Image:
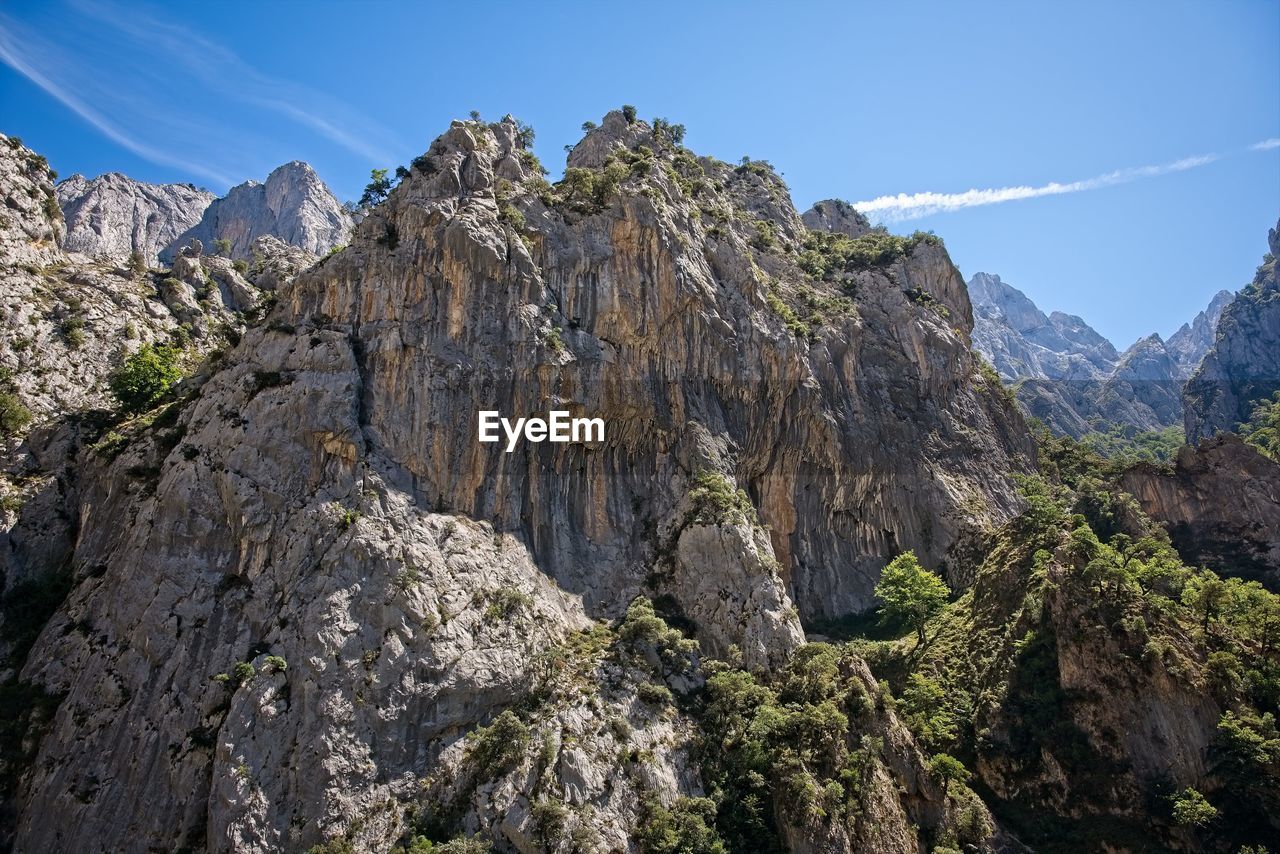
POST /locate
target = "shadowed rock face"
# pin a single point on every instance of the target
(293, 205)
(1244, 365)
(113, 216)
(1221, 505)
(329, 504)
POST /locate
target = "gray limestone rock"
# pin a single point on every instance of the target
(113, 216)
(293, 205)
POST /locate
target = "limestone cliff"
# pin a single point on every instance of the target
(113, 216)
(293, 204)
(297, 589)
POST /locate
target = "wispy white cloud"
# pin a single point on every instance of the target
(24, 55)
(177, 98)
(903, 206)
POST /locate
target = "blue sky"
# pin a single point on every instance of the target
(850, 100)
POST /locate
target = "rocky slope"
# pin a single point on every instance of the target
(293, 205)
(1244, 365)
(295, 591)
(112, 216)
(71, 319)
(69, 323)
(1073, 379)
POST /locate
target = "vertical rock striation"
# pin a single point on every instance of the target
(295, 594)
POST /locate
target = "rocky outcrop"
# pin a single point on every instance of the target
(838, 216)
(31, 224)
(293, 205)
(1220, 503)
(112, 216)
(275, 263)
(295, 593)
(1243, 367)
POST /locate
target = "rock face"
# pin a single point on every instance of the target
(837, 216)
(113, 216)
(293, 205)
(1220, 504)
(1244, 365)
(1192, 342)
(1072, 378)
(31, 226)
(294, 594)
(1021, 341)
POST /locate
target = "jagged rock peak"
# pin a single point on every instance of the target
(293, 204)
(1243, 367)
(1193, 340)
(113, 216)
(836, 215)
(613, 133)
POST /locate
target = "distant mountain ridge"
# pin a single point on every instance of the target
(1070, 376)
(112, 216)
(293, 205)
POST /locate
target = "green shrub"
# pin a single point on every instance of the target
(629, 113)
(498, 746)
(716, 501)
(1190, 808)
(146, 377)
(828, 255)
(947, 770)
(14, 417)
(1262, 430)
(686, 827)
(222, 246)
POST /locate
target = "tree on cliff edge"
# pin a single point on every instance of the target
(909, 593)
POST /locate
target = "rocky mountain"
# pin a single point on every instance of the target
(1072, 378)
(298, 605)
(338, 515)
(1021, 341)
(293, 205)
(1189, 345)
(113, 216)
(69, 322)
(1243, 368)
